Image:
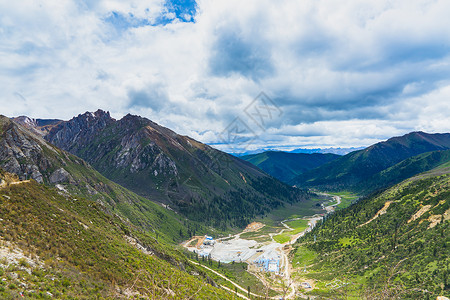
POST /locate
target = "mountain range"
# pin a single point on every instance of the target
(351, 171)
(95, 207)
(286, 166)
(331, 150)
(194, 179)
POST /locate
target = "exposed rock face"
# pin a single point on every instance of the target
(60, 176)
(79, 131)
(127, 143)
(22, 153)
(27, 154)
(38, 126)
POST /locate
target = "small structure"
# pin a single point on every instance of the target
(306, 285)
(209, 240)
(268, 265)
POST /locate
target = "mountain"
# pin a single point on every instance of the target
(39, 126)
(403, 170)
(338, 151)
(393, 245)
(286, 166)
(352, 169)
(192, 178)
(54, 245)
(28, 155)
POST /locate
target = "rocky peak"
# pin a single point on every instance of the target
(26, 121)
(97, 119)
(79, 130)
(38, 126)
(97, 115)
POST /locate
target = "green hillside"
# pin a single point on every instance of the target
(403, 170)
(23, 152)
(394, 245)
(57, 246)
(351, 170)
(286, 166)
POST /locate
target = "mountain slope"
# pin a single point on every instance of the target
(28, 155)
(194, 179)
(395, 245)
(349, 170)
(286, 166)
(403, 170)
(53, 245)
(39, 126)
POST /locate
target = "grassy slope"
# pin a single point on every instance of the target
(84, 252)
(286, 166)
(389, 255)
(297, 226)
(138, 210)
(87, 182)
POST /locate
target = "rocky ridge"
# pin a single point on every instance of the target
(155, 162)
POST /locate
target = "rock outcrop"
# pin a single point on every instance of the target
(60, 176)
(22, 153)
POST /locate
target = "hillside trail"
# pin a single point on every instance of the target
(232, 282)
(4, 184)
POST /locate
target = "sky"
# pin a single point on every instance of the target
(239, 75)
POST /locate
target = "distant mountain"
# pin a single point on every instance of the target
(338, 151)
(286, 166)
(194, 179)
(350, 170)
(393, 244)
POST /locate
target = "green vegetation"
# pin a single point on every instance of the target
(302, 256)
(403, 170)
(201, 183)
(74, 250)
(403, 253)
(300, 209)
(347, 198)
(236, 272)
(286, 166)
(81, 180)
(266, 230)
(297, 226)
(362, 171)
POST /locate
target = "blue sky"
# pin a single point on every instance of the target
(340, 74)
(169, 12)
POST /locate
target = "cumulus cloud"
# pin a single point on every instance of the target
(342, 74)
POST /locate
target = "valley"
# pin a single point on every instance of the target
(265, 250)
(161, 216)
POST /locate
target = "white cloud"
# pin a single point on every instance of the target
(342, 74)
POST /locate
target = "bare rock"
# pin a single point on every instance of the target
(60, 176)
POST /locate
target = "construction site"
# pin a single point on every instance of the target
(262, 257)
